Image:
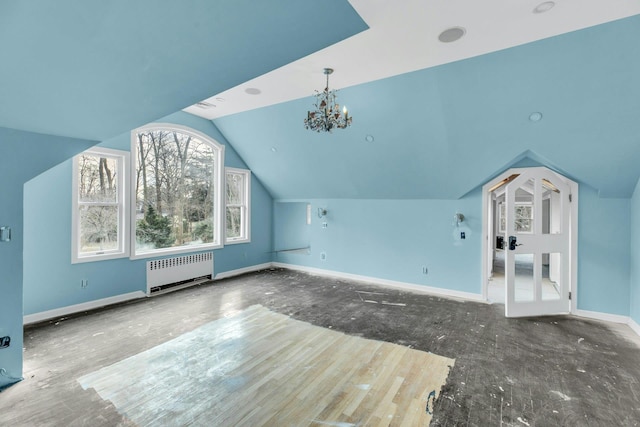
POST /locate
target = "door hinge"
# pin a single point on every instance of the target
(570, 198)
(569, 296)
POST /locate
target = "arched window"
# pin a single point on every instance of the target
(176, 192)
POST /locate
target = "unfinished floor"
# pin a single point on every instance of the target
(559, 371)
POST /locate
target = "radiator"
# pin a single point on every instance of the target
(170, 274)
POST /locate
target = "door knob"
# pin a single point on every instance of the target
(513, 242)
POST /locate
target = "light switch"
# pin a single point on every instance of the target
(5, 234)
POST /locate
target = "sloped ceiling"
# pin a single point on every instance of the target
(94, 69)
(442, 123)
(441, 131)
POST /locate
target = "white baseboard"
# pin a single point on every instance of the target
(90, 305)
(239, 271)
(441, 292)
(634, 326)
(430, 290)
(76, 308)
(614, 318)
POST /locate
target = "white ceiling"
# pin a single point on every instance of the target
(403, 37)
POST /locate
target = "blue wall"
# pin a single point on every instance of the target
(24, 155)
(290, 229)
(395, 239)
(635, 255)
(51, 281)
(604, 226)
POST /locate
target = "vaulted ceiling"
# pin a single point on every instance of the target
(93, 69)
(431, 119)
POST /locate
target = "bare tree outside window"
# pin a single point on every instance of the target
(234, 205)
(97, 203)
(174, 187)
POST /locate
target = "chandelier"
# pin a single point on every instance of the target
(327, 114)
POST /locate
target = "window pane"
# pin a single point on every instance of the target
(98, 228)
(97, 179)
(203, 232)
(524, 285)
(551, 213)
(551, 276)
(98, 201)
(523, 218)
(523, 209)
(237, 194)
(235, 188)
(234, 224)
(174, 190)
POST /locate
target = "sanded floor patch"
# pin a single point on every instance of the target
(264, 368)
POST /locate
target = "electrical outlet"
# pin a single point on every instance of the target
(323, 256)
(425, 270)
(463, 235)
(5, 342)
(84, 283)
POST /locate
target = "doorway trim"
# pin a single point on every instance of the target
(487, 244)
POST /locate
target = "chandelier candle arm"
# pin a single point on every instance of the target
(327, 111)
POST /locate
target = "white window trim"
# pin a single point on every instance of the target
(246, 223)
(219, 209)
(123, 158)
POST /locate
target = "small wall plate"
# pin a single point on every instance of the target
(5, 234)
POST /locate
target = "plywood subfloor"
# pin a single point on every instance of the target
(263, 368)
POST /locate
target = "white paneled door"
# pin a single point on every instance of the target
(537, 244)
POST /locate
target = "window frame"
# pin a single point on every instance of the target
(122, 168)
(218, 178)
(245, 211)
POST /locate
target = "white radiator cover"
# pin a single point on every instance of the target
(179, 271)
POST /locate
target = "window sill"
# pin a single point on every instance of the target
(175, 251)
(235, 242)
(99, 257)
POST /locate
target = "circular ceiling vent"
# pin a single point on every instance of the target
(544, 7)
(452, 34)
(253, 91)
